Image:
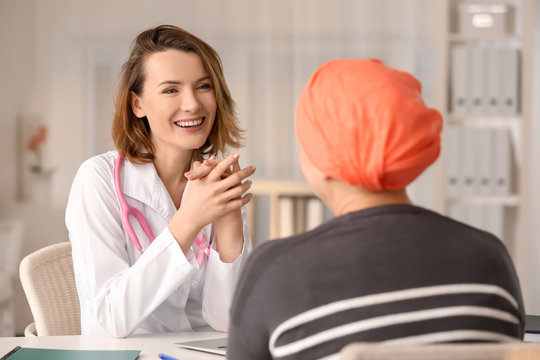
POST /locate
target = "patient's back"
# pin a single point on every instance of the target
(395, 273)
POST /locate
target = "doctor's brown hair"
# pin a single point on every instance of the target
(130, 132)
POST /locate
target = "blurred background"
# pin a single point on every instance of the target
(60, 62)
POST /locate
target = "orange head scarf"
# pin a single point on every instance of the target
(365, 123)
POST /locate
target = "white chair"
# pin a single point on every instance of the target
(49, 284)
(11, 238)
(462, 351)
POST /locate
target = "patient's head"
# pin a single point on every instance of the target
(362, 122)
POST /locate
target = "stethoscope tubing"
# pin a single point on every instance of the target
(128, 210)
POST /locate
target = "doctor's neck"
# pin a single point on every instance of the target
(172, 165)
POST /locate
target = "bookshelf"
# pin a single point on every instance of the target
(508, 206)
(291, 206)
(484, 91)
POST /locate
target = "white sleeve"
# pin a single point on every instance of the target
(220, 283)
(114, 294)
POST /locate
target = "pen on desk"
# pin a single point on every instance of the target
(166, 357)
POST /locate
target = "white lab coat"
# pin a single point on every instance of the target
(122, 291)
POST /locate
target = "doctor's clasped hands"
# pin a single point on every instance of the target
(215, 194)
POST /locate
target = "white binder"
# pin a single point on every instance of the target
(484, 153)
(458, 84)
(510, 75)
(502, 161)
(468, 162)
(475, 77)
(453, 151)
(493, 81)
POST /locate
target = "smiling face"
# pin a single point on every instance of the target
(177, 99)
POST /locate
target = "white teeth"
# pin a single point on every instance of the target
(189, 123)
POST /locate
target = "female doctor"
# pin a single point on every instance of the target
(152, 251)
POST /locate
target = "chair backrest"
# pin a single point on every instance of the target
(463, 351)
(49, 284)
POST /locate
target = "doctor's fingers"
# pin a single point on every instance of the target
(236, 166)
(199, 171)
(233, 199)
(237, 203)
(236, 178)
(213, 163)
(231, 169)
(202, 170)
(224, 167)
(237, 191)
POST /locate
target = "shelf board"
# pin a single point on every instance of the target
(485, 120)
(504, 200)
(506, 39)
(280, 187)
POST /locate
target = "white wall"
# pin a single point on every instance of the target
(265, 46)
(60, 62)
(61, 59)
(17, 73)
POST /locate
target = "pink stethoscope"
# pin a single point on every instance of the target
(128, 210)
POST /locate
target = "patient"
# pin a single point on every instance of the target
(383, 269)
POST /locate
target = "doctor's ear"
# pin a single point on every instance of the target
(135, 102)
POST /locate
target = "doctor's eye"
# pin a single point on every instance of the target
(204, 86)
(170, 91)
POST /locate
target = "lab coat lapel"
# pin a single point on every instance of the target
(142, 183)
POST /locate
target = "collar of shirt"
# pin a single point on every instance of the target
(142, 183)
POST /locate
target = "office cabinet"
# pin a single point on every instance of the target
(484, 92)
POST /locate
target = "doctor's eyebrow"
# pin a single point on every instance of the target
(175, 82)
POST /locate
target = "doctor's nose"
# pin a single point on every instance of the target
(190, 102)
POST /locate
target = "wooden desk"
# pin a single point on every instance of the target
(150, 344)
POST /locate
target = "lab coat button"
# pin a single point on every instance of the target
(194, 284)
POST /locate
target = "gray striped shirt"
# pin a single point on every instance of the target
(397, 273)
